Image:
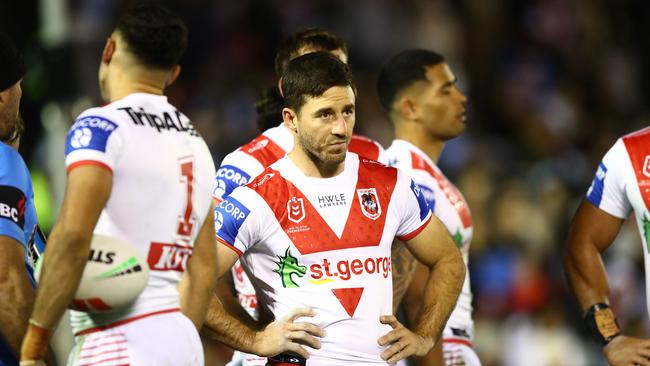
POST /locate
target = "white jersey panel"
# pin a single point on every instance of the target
(608, 190)
(160, 196)
(448, 204)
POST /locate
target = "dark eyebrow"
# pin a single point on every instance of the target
(318, 112)
(449, 83)
(349, 106)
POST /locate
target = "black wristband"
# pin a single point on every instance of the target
(602, 324)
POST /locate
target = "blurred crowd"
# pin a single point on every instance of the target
(551, 85)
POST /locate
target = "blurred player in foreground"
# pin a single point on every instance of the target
(21, 241)
(331, 263)
(418, 90)
(137, 171)
(621, 186)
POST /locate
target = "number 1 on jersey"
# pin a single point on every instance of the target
(186, 221)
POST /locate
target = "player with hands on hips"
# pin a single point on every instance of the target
(621, 186)
(331, 259)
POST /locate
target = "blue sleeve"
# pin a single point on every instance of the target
(15, 189)
(424, 206)
(229, 217)
(228, 178)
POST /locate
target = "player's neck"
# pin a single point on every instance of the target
(124, 85)
(416, 134)
(311, 166)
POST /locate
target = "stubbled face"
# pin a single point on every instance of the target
(324, 125)
(441, 104)
(9, 109)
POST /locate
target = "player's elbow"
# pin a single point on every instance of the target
(14, 285)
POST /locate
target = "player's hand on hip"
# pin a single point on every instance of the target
(403, 342)
(624, 351)
(287, 335)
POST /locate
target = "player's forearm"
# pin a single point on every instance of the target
(231, 304)
(196, 293)
(403, 267)
(14, 311)
(586, 273)
(441, 293)
(228, 330)
(63, 266)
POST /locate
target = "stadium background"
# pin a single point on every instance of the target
(551, 85)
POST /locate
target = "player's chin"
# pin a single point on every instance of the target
(335, 157)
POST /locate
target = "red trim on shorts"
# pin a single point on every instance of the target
(104, 352)
(104, 360)
(458, 341)
(415, 232)
(88, 162)
(99, 345)
(232, 247)
(125, 321)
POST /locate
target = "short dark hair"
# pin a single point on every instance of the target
(311, 75)
(320, 40)
(155, 35)
(401, 71)
(269, 108)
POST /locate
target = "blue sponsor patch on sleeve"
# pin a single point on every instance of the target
(595, 192)
(90, 132)
(228, 218)
(429, 196)
(424, 206)
(228, 178)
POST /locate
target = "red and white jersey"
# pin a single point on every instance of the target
(325, 244)
(160, 196)
(247, 162)
(449, 205)
(622, 185)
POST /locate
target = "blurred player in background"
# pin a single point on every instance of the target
(621, 186)
(137, 171)
(418, 90)
(332, 259)
(21, 241)
(242, 165)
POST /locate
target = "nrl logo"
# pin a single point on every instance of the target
(296, 209)
(646, 166)
(369, 201)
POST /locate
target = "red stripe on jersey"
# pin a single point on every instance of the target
(638, 148)
(88, 162)
(453, 194)
(458, 341)
(309, 232)
(264, 150)
(415, 232)
(364, 147)
(125, 321)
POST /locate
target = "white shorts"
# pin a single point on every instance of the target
(157, 340)
(459, 353)
(245, 359)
